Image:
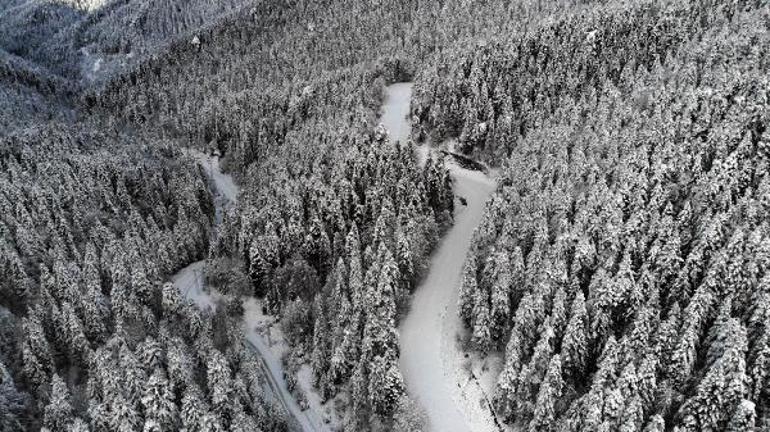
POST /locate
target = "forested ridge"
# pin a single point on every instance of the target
(620, 269)
(622, 264)
(96, 338)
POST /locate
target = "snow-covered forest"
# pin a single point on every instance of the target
(207, 222)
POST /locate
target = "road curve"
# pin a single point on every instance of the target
(428, 333)
(190, 282)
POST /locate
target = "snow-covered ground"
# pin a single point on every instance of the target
(267, 338)
(446, 383)
(433, 365)
(395, 111)
(190, 282)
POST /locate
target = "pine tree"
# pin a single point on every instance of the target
(575, 342)
(318, 246)
(344, 358)
(632, 417)
(77, 342)
(684, 355)
(99, 416)
(648, 379)
(507, 381)
(626, 390)
(78, 425)
(210, 422)
(140, 284)
(355, 278)
(241, 421)
(123, 415)
(655, 424)
(760, 367)
(180, 365)
(320, 357)
(134, 376)
(58, 413)
(171, 299)
(12, 402)
(219, 382)
(151, 354)
(94, 305)
(380, 344)
(468, 288)
(600, 384)
(405, 258)
(719, 393)
(386, 385)
(123, 305)
(721, 333)
(548, 395)
(744, 417)
(158, 402)
(192, 410)
(533, 373)
(481, 337)
(360, 392)
(500, 296)
(36, 352)
(665, 337)
(559, 312)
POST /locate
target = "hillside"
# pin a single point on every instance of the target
(605, 270)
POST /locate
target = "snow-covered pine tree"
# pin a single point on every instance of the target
(160, 412)
(219, 384)
(575, 342)
(500, 296)
(544, 415)
(720, 392)
(468, 288)
(481, 336)
(12, 402)
(58, 414)
(321, 353)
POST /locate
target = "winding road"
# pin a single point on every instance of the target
(431, 360)
(190, 283)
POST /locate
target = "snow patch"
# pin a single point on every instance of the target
(395, 111)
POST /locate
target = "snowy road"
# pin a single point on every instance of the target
(190, 282)
(431, 360)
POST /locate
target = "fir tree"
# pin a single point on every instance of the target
(468, 288)
(482, 334)
(575, 342)
(550, 391)
(500, 296)
(158, 403)
(719, 393)
(12, 402)
(58, 413)
(744, 417)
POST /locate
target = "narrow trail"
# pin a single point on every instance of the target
(431, 360)
(190, 282)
